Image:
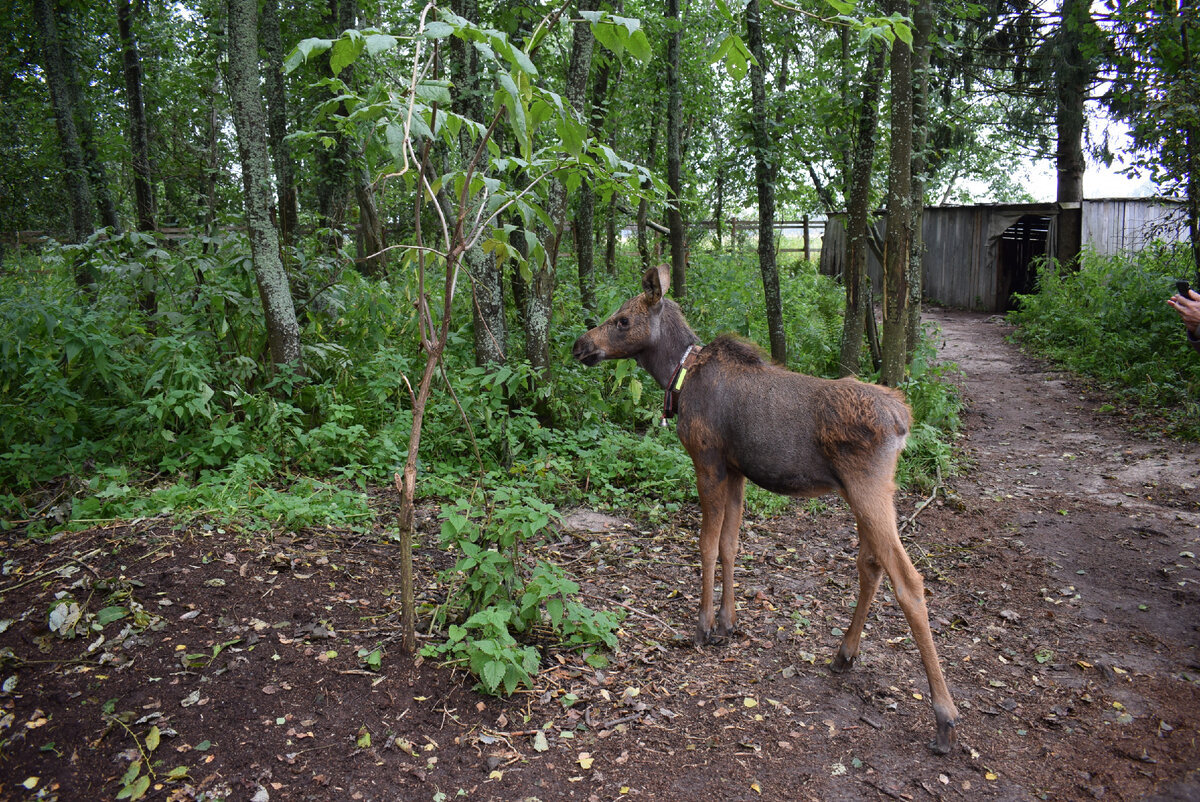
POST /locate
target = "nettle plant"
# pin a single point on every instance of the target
(504, 195)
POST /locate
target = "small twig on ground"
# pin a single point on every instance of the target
(637, 611)
(616, 722)
(50, 571)
(938, 486)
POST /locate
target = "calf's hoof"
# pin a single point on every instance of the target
(947, 737)
(842, 662)
(712, 635)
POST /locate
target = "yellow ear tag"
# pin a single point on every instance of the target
(679, 381)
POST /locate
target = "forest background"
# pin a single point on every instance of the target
(261, 258)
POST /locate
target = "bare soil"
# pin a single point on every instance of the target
(1063, 590)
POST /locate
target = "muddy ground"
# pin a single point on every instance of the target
(1062, 583)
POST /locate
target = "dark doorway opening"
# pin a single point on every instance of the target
(1019, 245)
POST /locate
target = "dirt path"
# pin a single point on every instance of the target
(1096, 493)
(1063, 586)
(1116, 517)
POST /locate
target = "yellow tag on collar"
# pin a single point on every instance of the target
(679, 381)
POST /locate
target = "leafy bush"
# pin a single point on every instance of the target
(490, 593)
(1109, 321)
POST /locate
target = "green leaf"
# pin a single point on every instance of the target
(139, 788)
(841, 6)
(438, 30)
(572, 134)
(346, 51)
(109, 614)
(609, 35)
(378, 42)
(177, 773)
(903, 32)
(434, 92)
(493, 674)
(639, 46)
(554, 608)
(153, 738)
(519, 59)
(596, 660)
(135, 768)
(304, 50)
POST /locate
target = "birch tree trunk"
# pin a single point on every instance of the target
(249, 118)
(922, 28)
(858, 213)
(898, 243)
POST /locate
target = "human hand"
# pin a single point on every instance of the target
(1188, 308)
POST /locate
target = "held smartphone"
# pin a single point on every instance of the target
(1183, 288)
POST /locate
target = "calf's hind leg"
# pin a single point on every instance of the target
(735, 491)
(870, 574)
(878, 537)
(713, 487)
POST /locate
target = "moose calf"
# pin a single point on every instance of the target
(741, 417)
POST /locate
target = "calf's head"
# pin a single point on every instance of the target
(633, 328)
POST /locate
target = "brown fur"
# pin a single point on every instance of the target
(741, 417)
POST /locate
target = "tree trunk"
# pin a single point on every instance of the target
(211, 164)
(764, 179)
(487, 307)
(858, 213)
(370, 227)
(643, 210)
(139, 138)
(1192, 143)
(74, 173)
(249, 118)
(922, 28)
(675, 154)
(281, 151)
(139, 147)
(334, 165)
(585, 217)
(539, 306)
(1072, 78)
(719, 205)
(84, 117)
(898, 243)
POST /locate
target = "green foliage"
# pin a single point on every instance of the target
(725, 295)
(935, 400)
(1109, 321)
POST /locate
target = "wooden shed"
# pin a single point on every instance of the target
(977, 257)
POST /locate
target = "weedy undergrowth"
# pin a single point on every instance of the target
(1109, 321)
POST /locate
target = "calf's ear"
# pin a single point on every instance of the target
(655, 282)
